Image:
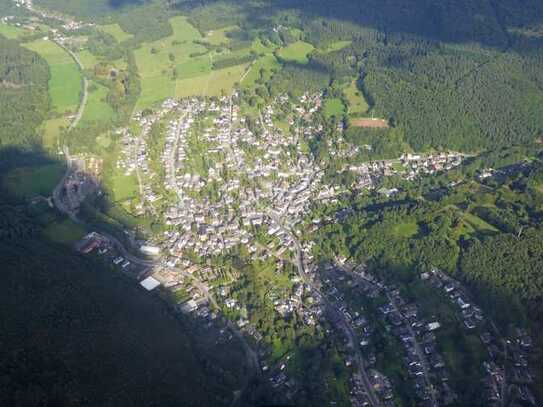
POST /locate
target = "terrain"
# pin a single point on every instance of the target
(260, 203)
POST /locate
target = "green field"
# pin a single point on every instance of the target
(405, 230)
(88, 59)
(65, 232)
(357, 104)
(65, 82)
(97, 109)
(218, 37)
(51, 130)
(336, 46)
(26, 182)
(212, 84)
(10, 31)
(156, 68)
(296, 52)
(116, 31)
(334, 107)
(267, 63)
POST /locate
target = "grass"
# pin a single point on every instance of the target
(156, 68)
(104, 140)
(88, 59)
(124, 187)
(65, 232)
(267, 63)
(97, 109)
(405, 230)
(218, 37)
(116, 31)
(357, 104)
(213, 84)
(65, 81)
(334, 107)
(51, 130)
(296, 52)
(336, 46)
(260, 48)
(10, 31)
(26, 182)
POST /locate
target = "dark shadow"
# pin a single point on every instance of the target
(78, 330)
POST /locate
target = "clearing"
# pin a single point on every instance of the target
(296, 52)
(370, 123)
(357, 103)
(116, 31)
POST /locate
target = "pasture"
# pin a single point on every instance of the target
(357, 103)
(97, 109)
(88, 59)
(51, 130)
(296, 52)
(65, 83)
(218, 37)
(213, 84)
(116, 32)
(267, 63)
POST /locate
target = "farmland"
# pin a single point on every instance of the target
(65, 81)
(97, 109)
(212, 84)
(296, 52)
(10, 31)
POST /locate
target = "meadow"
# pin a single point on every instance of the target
(65, 82)
(296, 52)
(65, 232)
(97, 109)
(357, 104)
(176, 66)
(116, 31)
(334, 107)
(10, 31)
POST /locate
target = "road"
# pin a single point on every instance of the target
(345, 326)
(252, 358)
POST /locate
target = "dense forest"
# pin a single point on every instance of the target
(23, 94)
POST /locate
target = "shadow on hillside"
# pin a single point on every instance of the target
(76, 330)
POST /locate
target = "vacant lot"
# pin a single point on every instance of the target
(296, 52)
(371, 123)
(65, 83)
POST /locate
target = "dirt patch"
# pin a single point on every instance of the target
(373, 123)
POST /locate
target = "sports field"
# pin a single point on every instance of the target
(65, 83)
(370, 123)
(296, 52)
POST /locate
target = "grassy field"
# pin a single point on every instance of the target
(218, 37)
(65, 232)
(336, 46)
(87, 59)
(27, 182)
(116, 31)
(10, 31)
(357, 104)
(405, 230)
(212, 84)
(97, 109)
(65, 83)
(51, 130)
(334, 107)
(267, 63)
(156, 67)
(296, 52)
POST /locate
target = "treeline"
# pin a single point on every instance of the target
(24, 99)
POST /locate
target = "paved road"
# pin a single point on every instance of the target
(345, 326)
(252, 357)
